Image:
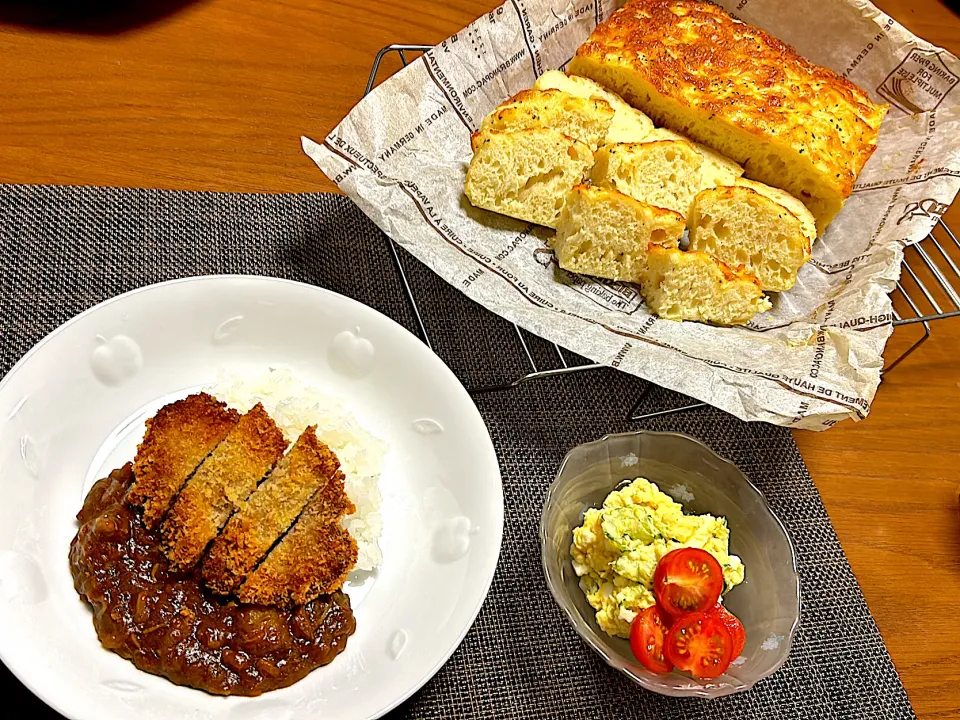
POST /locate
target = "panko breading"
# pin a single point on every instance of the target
(177, 440)
(313, 558)
(267, 514)
(693, 68)
(224, 480)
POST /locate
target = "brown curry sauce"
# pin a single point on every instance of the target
(168, 624)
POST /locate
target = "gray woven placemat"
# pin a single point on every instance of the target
(63, 250)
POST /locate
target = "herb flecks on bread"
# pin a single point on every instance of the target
(694, 69)
(583, 119)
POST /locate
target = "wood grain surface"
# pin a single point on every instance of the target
(215, 94)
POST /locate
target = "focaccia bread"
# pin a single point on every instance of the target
(605, 233)
(741, 226)
(526, 174)
(807, 222)
(696, 286)
(715, 169)
(665, 173)
(583, 119)
(693, 68)
(629, 124)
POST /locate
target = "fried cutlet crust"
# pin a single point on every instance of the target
(313, 558)
(267, 514)
(177, 440)
(224, 480)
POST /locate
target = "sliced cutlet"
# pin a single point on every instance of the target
(224, 480)
(313, 558)
(177, 440)
(267, 514)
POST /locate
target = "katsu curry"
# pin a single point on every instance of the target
(217, 557)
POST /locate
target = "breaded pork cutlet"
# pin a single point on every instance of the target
(177, 440)
(267, 514)
(224, 480)
(313, 558)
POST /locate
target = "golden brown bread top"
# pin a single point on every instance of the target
(696, 54)
(177, 440)
(269, 512)
(586, 119)
(224, 480)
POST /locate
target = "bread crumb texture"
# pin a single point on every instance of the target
(628, 125)
(583, 119)
(605, 233)
(696, 286)
(741, 227)
(526, 173)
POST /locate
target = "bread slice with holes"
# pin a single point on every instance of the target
(584, 119)
(665, 173)
(807, 221)
(740, 226)
(693, 285)
(629, 124)
(605, 233)
(526, 174)
(715, 170)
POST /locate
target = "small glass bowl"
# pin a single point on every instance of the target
(768, 600)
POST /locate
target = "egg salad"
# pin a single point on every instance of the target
(616, 550)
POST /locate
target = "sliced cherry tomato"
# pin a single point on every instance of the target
(700, 644)
(687, 580)
(734, 626)
(647, 633)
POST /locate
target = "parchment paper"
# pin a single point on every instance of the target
(403, 151)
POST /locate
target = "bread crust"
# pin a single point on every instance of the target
(618, 249)
(663, 173)
(727, 285)
(532, 109)
(502, 177)
(736, 85)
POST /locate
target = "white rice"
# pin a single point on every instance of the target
(294, 406)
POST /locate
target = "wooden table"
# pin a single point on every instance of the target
(214, 95)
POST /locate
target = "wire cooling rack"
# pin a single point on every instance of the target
(925, 292)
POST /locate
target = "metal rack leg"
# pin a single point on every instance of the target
(411, 299)
(636, 416)
(918, 343)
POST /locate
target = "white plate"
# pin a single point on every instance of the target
(73, 408)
